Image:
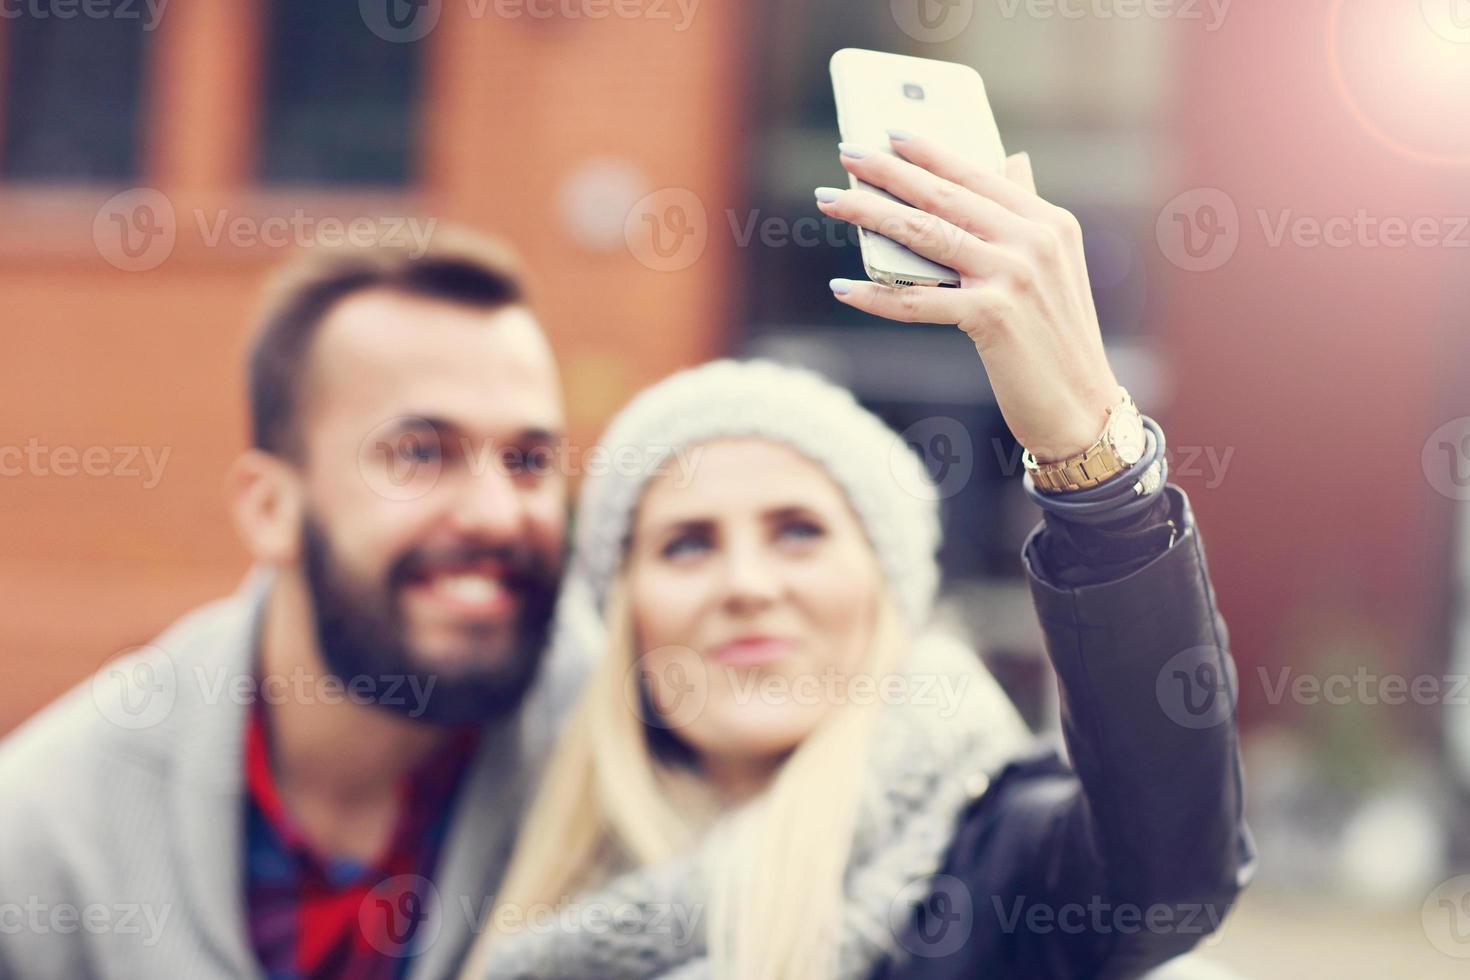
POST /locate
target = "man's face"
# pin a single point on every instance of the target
(435, 502)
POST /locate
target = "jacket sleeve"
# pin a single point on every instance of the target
(1134, 852)
(1151, 840)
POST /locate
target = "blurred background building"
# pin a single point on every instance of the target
(653, 161)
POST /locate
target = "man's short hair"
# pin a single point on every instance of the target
(458, 266)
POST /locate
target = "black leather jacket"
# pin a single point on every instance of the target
(1135, 852)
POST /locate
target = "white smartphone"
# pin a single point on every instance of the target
(939, 100)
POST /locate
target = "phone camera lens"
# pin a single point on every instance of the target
(912, 91)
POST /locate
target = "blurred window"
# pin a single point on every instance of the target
(72, 97)
(340, 103)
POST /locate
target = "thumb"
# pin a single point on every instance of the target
(1018, 171)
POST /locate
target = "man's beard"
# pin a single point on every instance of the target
(362, 635)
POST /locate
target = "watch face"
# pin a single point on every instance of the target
(1128, 436)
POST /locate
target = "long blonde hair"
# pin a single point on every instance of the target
(607, 801)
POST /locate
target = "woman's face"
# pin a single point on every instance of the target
(753, 593)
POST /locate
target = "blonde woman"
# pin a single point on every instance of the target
(773, 757)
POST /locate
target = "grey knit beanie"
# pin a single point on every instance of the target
(884, 480)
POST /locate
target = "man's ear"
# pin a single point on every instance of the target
(266, 501)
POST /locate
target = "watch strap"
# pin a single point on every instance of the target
(1095, 464)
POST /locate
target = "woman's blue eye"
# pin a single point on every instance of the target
(802, 530)
(684, 544)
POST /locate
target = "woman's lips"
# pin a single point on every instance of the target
(752, 651)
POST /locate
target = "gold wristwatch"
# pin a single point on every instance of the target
(1122, 443)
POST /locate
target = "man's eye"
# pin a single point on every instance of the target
(529, 462)
(514, 460)
(416, 449)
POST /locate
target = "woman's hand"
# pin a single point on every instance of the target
(1024, 298)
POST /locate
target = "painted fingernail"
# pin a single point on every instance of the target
(899, 135)
(852, 150)
(827, 195)
(841, 286)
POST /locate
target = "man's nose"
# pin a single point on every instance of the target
(488, 505)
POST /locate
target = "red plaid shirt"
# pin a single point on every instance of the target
(312, 915)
